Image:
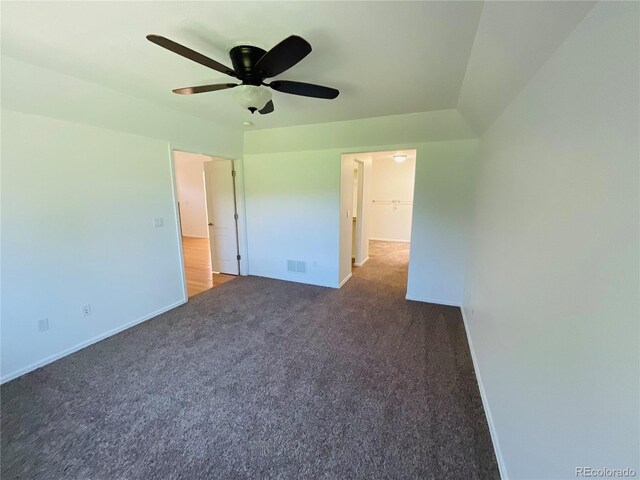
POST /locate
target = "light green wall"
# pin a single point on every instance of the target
(292, 201)
(78, 204)
(411, 128)
(553, 290)
(442, 213)
(285, 163)
(85, 169)
(35, 90)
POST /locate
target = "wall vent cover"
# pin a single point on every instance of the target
(296, 266)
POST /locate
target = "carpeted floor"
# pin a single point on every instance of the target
(261, 378)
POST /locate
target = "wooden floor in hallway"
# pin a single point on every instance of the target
(197, 265)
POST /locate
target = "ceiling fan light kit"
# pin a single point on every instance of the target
(251, 97)
(251, 65)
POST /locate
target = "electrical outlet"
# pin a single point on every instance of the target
(43, 324)
(86, 310)
(158, 222)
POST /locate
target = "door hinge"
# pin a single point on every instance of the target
(233, 173)
(238, 257)
(235, 215)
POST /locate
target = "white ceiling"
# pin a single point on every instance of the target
(385, 57)
(513, 40)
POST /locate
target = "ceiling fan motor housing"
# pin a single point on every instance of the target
(244, 59)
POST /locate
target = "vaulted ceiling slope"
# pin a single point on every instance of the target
(513, 40)
(386, 58)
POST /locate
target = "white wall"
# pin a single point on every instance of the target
(552, 303)
(192, 197)
(391, 181)
(78, 204)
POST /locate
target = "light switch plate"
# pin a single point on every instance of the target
(158, 222)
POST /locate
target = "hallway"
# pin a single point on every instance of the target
(197, 266)
(262, 378)
(391, 256)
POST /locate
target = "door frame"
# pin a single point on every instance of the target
(239, 201)
(359, 208)
(399, 148)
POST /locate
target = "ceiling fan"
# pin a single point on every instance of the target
(251, 65)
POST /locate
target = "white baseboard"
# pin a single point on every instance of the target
(485, 403)
(446, 303)
(345, 280)
(390, 240)
(301, 279)
(86, 343)
(359, 264)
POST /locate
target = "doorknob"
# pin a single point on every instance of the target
(210, 224)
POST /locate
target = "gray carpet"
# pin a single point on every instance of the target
(260, 378)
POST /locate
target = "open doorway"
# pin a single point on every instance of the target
(376, 209)
(208, 219)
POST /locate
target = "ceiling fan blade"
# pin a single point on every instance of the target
(283, 56)
(304, 89)
(268, 108)
(204, 88)
(190, 54)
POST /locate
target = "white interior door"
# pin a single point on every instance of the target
(221, 210)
